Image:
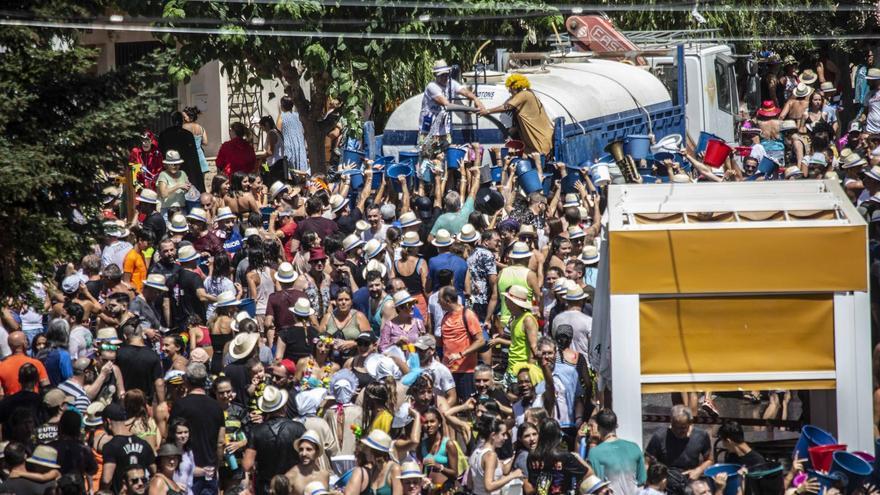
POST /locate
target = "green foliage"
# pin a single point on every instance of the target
(61, 128)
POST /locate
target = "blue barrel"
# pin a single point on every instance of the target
(266, 212)
(856, 469)
(454, 156)
(637, 146)
(397, 170)
(528, 176)
(811, 436)
(572, 176)
(350, 156)
(496, 174)
(704, 141)
(733, 476)
(248, 305)
(410, 156)
(357, 178)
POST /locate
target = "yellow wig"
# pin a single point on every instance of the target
(517, 82)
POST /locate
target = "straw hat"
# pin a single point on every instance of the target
(442, 239)
(277, 188)
(169, 450)
(172, 157)
(681, 179)
(571, 201)
(242, 345)
(303, 307)
(410, 470)
(788, 125)
(669, 144)
(362, 226)
(873, 75)
(375, 265)
(378, 440)
(574, 293)
(273, 399)
(590, 254)
(111, 194)
(337, 203)
(808, 76)
(520, 250)
(116, 229)
(286, 273)
(251, 231)
(817, 159)
(793, 172)
(408, 219)
(441, 67)
(411, 239)
(527, 229)
(312, 437)
(93, 414)
(852, 160)
(315, 488)
(156, 281)
(790, 60)
(178, 224)
(802, 90)
(592, 484)
(518, 295)
(402, 297)
(583, 213)
(768, 109)
(148, 196)
(352, 241)
(468, 234)
(561, 285)
(373, 248)
(198, 215)
(107, 335)
(187, 253)
(224, 213)
(226, 299)
(45, 456)
(575, 232)
(827, 87)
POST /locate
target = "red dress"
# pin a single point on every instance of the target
(236, 155)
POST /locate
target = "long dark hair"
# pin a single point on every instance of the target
(256, 258)
(237, 179)
(172, 432)
(521, 432)
(218, 182)
(375, 400)
(487, 425)
(549, 449)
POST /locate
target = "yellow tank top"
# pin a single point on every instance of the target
(520, 352)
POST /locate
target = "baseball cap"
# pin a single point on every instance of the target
(114, 412)
(365, 337)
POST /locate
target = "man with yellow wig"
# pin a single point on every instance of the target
(535, 128)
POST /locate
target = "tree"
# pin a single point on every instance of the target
(62, 130)
(368, 76)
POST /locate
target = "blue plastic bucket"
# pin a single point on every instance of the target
(397, 170)
(454, 156)
(350, 157)
(811, 436)
(411, 157)
(379, 166)
(547, 183)
(826, 481)
(248, 305)
(528, 176)
(496, 174)
(767, 167)
(733, 476)
(265, 213)
(856, 469)
(704, 141)
(572, 176)
(637, 146)
(357, 178)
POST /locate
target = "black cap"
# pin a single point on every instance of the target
(114, 412)
(564, 331)
(365, 337)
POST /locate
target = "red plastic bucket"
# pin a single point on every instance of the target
(716, 152)
(821, 456)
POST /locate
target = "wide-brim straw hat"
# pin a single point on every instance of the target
(808, 76)
(107, 335)
(273, 399)
(148, 196)
(873, 173)
(468, 234)
(574, 293)
(224, 213)
(442, 239)
(575, 232)
(198, 215)
(286, 274)
(873, 75)
(303, 307)
(312, 437)
(441, 67)
(45, 456)
(243, 344)
(527, 229)
(802, 90)
(172, 157)
(518, 295)
(377, 266)
(226, 299)
(411, 239)
(827, 87)
(409, 219)
(402, 297)
(337, 203)
(277, 188)
(590, 254)
(410, 470)
(93, 414)
(520, 250)
(853, 160)
(187, 253)
(178, 224)
(373, 248)
(315, 488)
(378, 440)
(351, 242)
(156, 281)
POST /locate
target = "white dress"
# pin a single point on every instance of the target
(477, 476)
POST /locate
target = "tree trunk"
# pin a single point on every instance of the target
(315, 136)
(311, 113)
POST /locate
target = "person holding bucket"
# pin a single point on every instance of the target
(532, 123)
(434, 121)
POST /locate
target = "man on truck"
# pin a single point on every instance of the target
(532, 122)
(435, 122)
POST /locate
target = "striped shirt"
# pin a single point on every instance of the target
(80, 399)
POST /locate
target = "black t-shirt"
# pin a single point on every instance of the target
(270, 438)
(681, 453)
(46, 433)
(558, 477)
(125, 451)
(169, 270)
(205, 418)
(21, 486)
(26, 399)
(95, 287)
(347, 223)
(155, 223)
(299, 342)
(140, 367)
(238, 374)
(186, 298)
(751, 459)
(75, 457)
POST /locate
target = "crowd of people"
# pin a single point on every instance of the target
(358, 334)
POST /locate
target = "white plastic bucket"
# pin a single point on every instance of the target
(599, 174)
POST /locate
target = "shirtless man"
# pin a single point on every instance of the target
(310, 449)
(796, 107)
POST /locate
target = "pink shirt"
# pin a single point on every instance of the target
(391, 333)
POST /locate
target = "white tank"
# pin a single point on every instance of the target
(578, 92)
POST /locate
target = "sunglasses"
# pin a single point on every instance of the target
(137, 481)
(109, 347)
